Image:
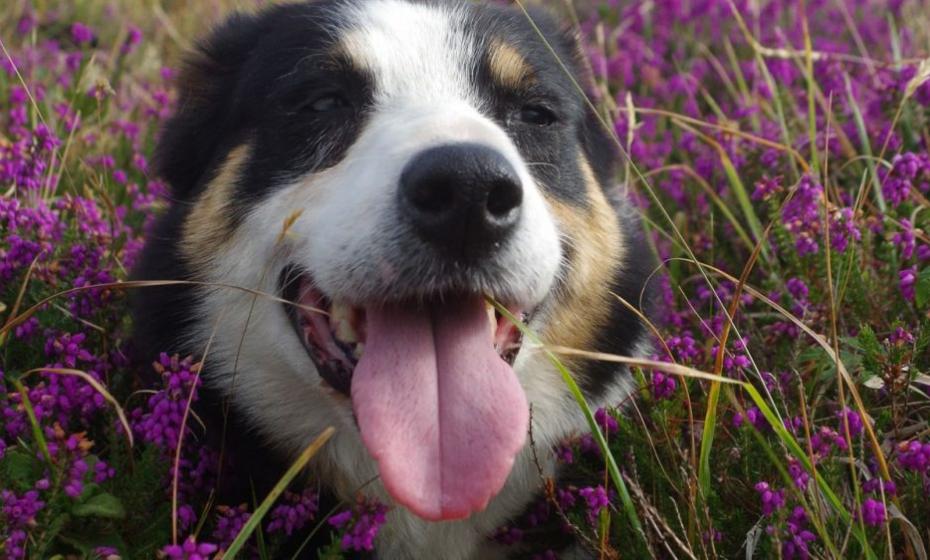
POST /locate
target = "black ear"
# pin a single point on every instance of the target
(206, 116)
(600, 145)
(595, 132)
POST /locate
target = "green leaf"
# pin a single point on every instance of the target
(101, 505)
(19, 469)
(922, 289)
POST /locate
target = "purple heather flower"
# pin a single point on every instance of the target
(15, 545)
(508, 535)
(897, 183)
(877, 486)
(106, 553)
(26, 23)
(566, 498)
(684, 347)
(103, 472)
(843, 229)
(798, 537)
(771, 499)
(74, 483)
(914, 455)
(824, 440)
(663, 385)
(189, 550)
(900, 336)
(564, 453)
(754, 416)
(294, 511)
(133, 38)
(587, 445)
(81, 33)
(765, 188)
(538, 514)
(797, 288)
(360, 525)
(907, 280)
(595, 498)
(18, 514)
(27, 329)
(873, 512)
(905, 239)
(229, 522)
(853, 419)
(340, 519)
(160, 423)
(607, 422)
(801, 215)
(798, 474)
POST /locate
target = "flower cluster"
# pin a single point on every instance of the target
(189, 550)
(914, 455)
(229, 521)
(159, 422)
(294, 511)
(360, 525)
(19, 515)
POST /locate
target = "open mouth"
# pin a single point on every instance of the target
(334, 333)
(433, 391)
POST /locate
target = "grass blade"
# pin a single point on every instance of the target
(612, 467)
(33, 421)
(292, 471)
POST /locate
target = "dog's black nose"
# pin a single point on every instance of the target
(463, 198)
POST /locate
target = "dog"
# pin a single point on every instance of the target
(353, 182)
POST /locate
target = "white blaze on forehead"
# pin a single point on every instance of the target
(412, 49)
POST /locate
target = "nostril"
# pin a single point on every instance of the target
(504, 196)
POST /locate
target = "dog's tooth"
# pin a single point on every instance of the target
(358, 350)
(492, 318)
(340, 320)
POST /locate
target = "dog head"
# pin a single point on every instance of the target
(383, 167)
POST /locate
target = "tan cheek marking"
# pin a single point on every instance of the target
(508, 67)
(597, 243)
(208, 226)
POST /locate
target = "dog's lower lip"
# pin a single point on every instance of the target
(333, 333)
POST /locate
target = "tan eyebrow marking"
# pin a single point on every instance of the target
(508, 67)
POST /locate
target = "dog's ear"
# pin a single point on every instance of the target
(206, 115)
(599, 144)
(595, 134)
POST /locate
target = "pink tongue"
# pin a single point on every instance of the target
(439, 410)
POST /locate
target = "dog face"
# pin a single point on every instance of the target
(383, 166)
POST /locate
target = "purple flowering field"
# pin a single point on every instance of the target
(779, 152)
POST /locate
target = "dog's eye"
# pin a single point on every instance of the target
(326, 103)
(538, 115)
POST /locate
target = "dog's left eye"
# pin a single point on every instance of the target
(538, 115)
(326, 103)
